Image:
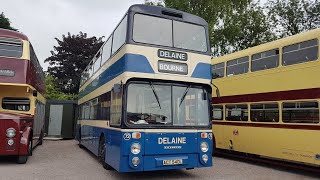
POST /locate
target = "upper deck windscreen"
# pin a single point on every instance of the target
(10, 47)
(171, 33)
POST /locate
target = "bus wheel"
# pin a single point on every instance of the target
(102, 153)
(41, 138)
(79, 141)
(22, 159)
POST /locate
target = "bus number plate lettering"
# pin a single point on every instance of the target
(172, 162)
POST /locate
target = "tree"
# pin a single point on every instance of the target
(5, 22)
(233, 24)
(242, 29)
(70, 58)
(53, 93)
(289, 17)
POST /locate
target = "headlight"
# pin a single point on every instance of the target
(135, 148)
(204, 147)
(205, 158)
(135, 161)
(11, 132)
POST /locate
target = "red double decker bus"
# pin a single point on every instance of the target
(22, 102)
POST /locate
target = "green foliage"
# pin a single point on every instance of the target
(53, 93)
(241, 29)
(289, 17)
(70, 58)
(5, 22)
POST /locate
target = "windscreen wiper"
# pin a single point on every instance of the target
(155, 94)
(184, 94)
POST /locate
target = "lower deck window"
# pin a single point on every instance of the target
(217, 112)
(17, 104)
(264, 112)
(300, 112)
(238, 112)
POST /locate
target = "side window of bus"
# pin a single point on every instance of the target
(265, 60)
(119, 36)
(106, 50)
(300, 112)
(17, 104)
(218, 70)
(10, 47)
(86, 111)
(264, 112)
(105, 103)
(300, 52)
(116, 107)
(97, 63)
(238, 112)
(217, 112)
(238, 66)
(93, 108)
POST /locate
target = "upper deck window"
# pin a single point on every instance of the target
(158, 30)
(238, 66)
(300, 52)
(165, 32)
(218, 70)
(119, 36)
(17, 104)
(265, 60)
(189, 36)
(10, 47)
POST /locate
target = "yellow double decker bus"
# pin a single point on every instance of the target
(269, 101)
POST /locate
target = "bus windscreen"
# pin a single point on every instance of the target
(166, 105)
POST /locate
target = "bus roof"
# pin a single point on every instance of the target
(12, 34)
(168, 13)
(268, 46)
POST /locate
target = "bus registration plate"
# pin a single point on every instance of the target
(172, 162)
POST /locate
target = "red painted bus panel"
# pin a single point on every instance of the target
(16, 121)
(19, 67)
(12, 34)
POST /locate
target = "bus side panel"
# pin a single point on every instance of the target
(272, 142)
(113, 148)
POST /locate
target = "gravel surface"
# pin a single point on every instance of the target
(65, 160)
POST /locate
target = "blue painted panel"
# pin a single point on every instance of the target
(170, 143)
(128, 62)
(203, 70)
(113, 154)
(119, 156)
(209, 153)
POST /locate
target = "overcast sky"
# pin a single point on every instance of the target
(43, 20)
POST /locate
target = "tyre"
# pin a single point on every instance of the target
(214, 147)
(41, 138)
(22, 159)
(102, 153)
(79, 140)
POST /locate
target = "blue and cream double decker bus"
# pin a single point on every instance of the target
(144, 98)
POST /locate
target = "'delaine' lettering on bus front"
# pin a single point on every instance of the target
(174, 140)
(172, 55)
(170, 67)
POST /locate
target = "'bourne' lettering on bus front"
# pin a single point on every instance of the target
(170, 67)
